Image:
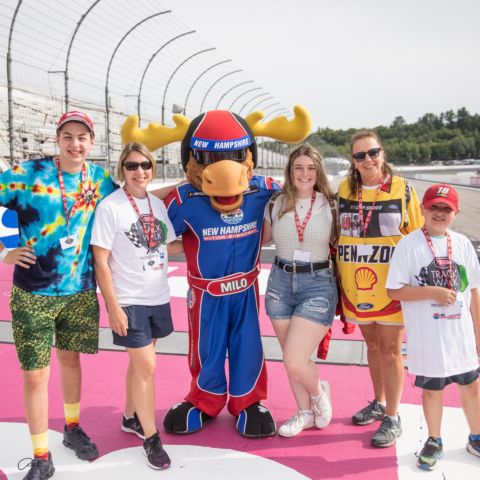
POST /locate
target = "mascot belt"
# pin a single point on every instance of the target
(218, 287)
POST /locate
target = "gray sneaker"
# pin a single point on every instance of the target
(40, 469)
(80, 443)
(387, 433)
(372, 412)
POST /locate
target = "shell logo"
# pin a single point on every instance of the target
(365, 278)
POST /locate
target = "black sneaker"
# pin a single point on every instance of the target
(157, 457)
(39, 469)
(132, 425)
(80, 443)
(387, 433)
(473, 446)
(372, 412)
(432, 450)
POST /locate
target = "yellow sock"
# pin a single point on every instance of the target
(72, 414)
(40, 445)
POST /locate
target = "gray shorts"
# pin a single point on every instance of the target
(144, 324)
(439, 383)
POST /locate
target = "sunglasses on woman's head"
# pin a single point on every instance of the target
(372, 153)
(132, 166)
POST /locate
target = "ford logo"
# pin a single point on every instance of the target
(364, 306)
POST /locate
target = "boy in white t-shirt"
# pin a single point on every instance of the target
(435, 274)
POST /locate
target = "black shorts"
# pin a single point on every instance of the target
(144, 324)
(439, 383)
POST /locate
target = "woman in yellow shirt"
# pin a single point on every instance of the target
(376, 208)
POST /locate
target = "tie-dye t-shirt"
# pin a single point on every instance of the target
(32, 190)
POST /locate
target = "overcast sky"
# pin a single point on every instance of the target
(353, 63)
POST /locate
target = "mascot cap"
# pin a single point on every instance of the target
(218, 131)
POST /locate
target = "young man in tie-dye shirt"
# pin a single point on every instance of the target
(53, 282)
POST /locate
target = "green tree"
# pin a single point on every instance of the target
(432, 137)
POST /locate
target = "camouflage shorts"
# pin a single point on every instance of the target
(73, 319)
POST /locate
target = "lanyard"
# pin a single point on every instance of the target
(63, 193)
(148, 232)
(449, 254)
(366, 223)
(301, 227)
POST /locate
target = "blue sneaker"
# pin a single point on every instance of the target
(473, 446)
(432, 450)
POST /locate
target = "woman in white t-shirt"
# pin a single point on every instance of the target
(129, 240)
(301, 295)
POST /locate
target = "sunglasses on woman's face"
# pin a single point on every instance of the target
(372, 153)
(132, 166)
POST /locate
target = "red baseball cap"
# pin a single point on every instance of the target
(441, 193)
(76, 116)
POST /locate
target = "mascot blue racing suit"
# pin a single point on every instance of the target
(223, 263)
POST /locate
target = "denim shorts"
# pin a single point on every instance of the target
(310, 295)
(436, 383)
(144, 324)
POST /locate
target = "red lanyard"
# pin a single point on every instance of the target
(366, 223)
(301, 227)
(63, 193)
(148, 232)
(449, 254)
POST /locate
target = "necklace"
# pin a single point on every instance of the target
(303, 203)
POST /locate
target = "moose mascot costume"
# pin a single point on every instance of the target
(219, 214)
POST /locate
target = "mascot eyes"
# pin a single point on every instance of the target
(206, 158)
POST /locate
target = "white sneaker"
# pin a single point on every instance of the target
(322, 408)
(294, 425)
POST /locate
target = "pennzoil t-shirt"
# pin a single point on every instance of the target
(363, 260)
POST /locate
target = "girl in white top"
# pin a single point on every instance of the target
(131, 239)
(301, 295)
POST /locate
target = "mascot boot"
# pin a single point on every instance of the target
(185, 418)
(255, 421)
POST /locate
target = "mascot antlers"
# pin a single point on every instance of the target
(280, 128)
